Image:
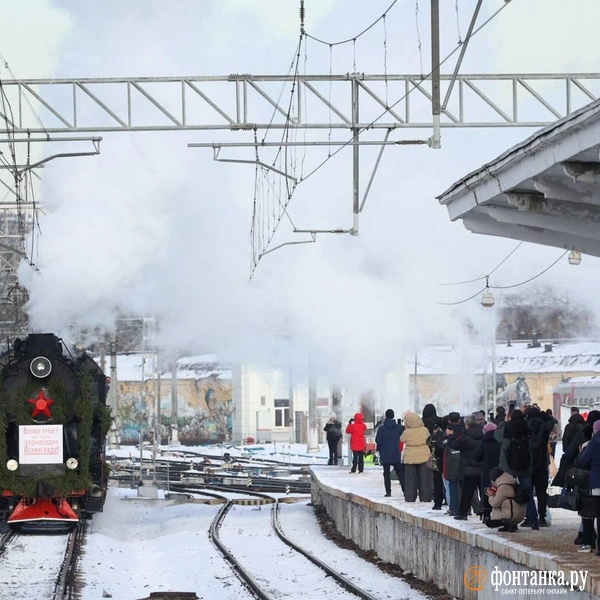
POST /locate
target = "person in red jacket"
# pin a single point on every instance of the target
(356, 428)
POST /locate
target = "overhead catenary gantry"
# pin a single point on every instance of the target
(342, 110)
(244, 102)
(345, 110)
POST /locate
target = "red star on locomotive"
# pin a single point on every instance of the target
(41, 405)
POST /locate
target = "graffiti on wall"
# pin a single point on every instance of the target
(204, 412)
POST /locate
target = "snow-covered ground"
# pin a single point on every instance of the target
(140, 545)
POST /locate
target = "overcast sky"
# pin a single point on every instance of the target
(151, 226)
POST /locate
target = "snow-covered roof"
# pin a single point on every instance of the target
(565, 357)
(544, 190)
(129, 367)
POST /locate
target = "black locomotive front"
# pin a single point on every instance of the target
(53, 409)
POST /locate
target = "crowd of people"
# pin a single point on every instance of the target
(496, 468)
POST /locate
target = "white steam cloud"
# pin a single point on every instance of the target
(152, 227)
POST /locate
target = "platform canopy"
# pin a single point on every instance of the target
(545, 190)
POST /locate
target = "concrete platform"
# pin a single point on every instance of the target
(435, 547)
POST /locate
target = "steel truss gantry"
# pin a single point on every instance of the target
(350, 109)
(321, 102)
(346, 109)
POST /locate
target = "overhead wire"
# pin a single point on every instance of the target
(465, 300)
(285, 136)
(354, 38)
(419, 44)
(506, 287)
(404, 96)
(492, 271)
(458, 23)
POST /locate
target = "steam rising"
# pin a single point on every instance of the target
(152, 227)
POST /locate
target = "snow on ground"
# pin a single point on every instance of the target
(138, 545)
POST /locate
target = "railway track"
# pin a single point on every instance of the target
(298, 564)
(39, 566)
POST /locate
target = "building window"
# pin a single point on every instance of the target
(263, 400)
(282, 413)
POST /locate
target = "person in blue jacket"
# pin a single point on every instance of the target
(590, 459)
(388, 446)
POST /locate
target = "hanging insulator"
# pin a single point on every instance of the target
(302, 15)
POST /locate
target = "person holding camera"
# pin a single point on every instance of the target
(356, 428)
(506, 512)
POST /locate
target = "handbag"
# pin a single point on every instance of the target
(432, 463)
(577, 476)
(569, 499)
(552, 468)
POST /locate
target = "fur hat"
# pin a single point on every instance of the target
(454, 417)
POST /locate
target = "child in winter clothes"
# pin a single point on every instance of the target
(356, 428)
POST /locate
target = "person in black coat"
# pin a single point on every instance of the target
(590, 459)
(488, 454)
(334, 435)
(540, 425)
(576, 422)
(570, 451)
(451, 461)
(470, 468)
(434, 426)
(500, 415)
(388, 446)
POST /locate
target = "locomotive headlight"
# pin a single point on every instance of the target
(40, 367)
(72, 463)
(12, 465)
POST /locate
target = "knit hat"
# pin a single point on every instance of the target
(489, 427)
(389, 413)
(596, 426)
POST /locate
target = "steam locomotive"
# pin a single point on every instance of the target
(53, 425)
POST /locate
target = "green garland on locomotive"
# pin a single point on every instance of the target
(93, 423)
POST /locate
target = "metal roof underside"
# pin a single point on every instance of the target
(545, 190)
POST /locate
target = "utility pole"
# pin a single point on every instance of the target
(174, 432)
(292, 417)
(436, 140)
(355, 155)
(143, 414)
(416, 389)
(313, 432)
(494, 384)
(158, 397)
(114, 391)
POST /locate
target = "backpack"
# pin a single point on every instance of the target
(536, 445)
(336, 432)
(522, 496)
(517, 454)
